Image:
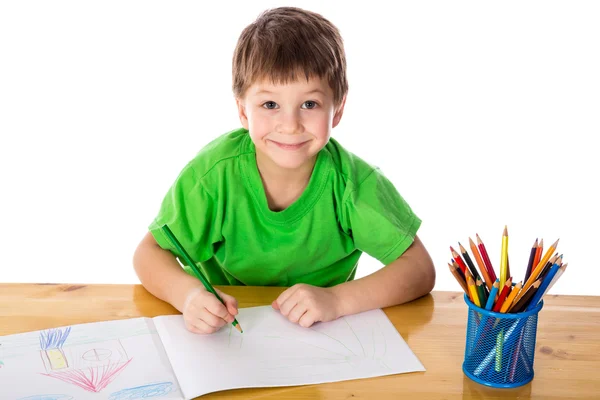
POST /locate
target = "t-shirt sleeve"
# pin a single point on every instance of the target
(378, 219)
(190, 212)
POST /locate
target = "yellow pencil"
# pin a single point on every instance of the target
(473, 290)
(511, 297)
(504, 257)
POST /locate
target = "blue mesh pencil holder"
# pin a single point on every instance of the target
(500, 347)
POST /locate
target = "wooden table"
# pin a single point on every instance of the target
(567, 360)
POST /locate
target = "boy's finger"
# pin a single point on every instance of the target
(297, 312)
(283, 297)
(219, 310)
(307, 320)
(286, 307)
(230, 302)
(202, 327)
(211, 319)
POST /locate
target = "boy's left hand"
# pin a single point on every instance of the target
(305, 304)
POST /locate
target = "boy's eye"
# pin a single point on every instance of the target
(309, 104)
(270, 105)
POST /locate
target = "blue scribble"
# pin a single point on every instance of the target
(54, 338)
(142, 392)
(48, 397)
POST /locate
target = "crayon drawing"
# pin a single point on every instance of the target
(143, 392)
(91, 367)
(117, 360)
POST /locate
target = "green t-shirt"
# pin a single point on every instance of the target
(218, 210)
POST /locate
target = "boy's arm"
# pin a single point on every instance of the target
(410, 276)
(161, 274)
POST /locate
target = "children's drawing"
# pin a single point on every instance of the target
(91, 366)
(143, 392)
(319, 353)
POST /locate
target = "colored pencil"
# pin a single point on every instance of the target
(537, 297)
(503, 256)
(556, 259)
(460, 272)
(538, 254)
(522, 302)
(492, 296)
(531, 258)
(473, 291)
(503, 295)
(458, 259)
(481, 291)
(460, 280)
(541, 264)
(561, 270)
(167, 231)
(469, 262)
(515, 357)
(484, 272)
(486, 258)
(511, 297)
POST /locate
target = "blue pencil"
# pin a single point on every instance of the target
(492, 296)
(540, 292)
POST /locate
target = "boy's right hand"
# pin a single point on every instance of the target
(204, 313)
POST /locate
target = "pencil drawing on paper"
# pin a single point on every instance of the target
(90, 366)
(317, 359)
(143, 392)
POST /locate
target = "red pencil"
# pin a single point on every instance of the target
(486, 258)
(458, 260)
(503, 295)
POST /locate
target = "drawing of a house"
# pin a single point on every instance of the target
(91, 366)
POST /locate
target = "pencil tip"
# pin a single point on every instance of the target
(239, 328)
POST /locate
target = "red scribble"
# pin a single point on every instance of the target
(92, 379)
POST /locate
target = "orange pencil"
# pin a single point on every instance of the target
(511, 297)
(521, 303)
(538, 255)
(540, 265)
(554, 259)
(481, 265)
(459, 279)
(503, 295)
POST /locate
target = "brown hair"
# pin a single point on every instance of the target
(285, 43)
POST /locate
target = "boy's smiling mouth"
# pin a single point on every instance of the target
(289, 146)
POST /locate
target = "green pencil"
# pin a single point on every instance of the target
(198, 273)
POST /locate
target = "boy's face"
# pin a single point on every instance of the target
(290, 123)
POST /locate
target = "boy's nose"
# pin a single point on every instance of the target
(290, 123)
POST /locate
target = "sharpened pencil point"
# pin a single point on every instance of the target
(239, 328)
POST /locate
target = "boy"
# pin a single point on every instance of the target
(279, 203)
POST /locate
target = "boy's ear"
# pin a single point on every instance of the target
(242, 113)
(337, 117)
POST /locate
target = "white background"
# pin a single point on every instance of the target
(483, 114)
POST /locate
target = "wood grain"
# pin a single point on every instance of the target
(566, 363)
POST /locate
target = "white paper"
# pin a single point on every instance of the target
(114, 360)
(275, 352)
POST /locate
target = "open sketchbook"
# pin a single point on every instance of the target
(158, 358)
